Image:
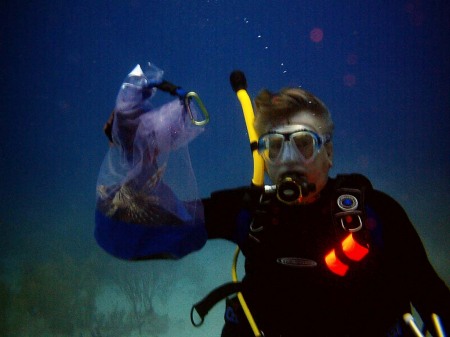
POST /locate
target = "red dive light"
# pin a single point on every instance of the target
(352, 250)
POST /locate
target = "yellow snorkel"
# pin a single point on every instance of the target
(239, 85)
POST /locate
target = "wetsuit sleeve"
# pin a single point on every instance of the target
(426, 290)
(228, 213)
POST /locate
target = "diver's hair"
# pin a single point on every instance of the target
(272, 108)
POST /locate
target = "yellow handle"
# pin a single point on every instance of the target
(258, 162)
(438, 326)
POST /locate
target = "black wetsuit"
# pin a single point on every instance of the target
(305, 298)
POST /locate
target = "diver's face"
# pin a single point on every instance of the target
(315, 169)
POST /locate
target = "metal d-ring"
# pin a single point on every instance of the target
(193, 95)
(352, 230)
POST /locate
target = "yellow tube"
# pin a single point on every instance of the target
(258, 162)
(257, 179)
(241, 299)
(438, 325)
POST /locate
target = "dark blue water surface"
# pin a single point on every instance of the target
(382, 67)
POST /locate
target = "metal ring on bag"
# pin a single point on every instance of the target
(198, 101)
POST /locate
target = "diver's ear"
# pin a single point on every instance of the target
(329, 150)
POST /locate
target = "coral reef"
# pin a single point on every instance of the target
(59, 298)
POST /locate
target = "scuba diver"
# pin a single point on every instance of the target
(324, 257)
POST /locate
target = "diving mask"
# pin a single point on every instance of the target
(305, 143)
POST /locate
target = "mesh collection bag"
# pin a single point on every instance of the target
(146, 179)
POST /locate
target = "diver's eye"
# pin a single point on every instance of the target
(275, 143)
(305, 144)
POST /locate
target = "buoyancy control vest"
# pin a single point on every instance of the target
(343, 210)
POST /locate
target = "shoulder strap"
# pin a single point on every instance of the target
(349, 220)
(348, 201)
(353, 180)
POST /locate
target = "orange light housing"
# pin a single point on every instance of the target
(352, 249)
(334, 264)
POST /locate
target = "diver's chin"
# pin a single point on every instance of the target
(294, 188)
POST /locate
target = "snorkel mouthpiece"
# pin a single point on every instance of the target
(292, 188)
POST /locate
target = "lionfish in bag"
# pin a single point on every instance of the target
(130, 186)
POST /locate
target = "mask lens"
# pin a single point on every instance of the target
(272, 146)
(305, 143)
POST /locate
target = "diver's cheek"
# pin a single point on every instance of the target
(320, 175)
(273, 172)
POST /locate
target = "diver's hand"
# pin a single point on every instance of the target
(132, 99)
(107, 128)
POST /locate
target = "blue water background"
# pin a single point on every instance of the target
(382, 67)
